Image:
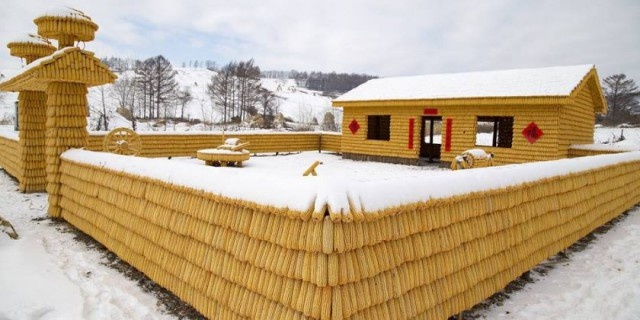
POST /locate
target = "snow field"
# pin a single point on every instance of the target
(48, 275)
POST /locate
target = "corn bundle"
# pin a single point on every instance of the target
(66, 128)
(474, 158)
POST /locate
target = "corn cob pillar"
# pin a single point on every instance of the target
(32, 114)
(66, 128)
(67, 106)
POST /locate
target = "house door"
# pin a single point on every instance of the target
(431, 138)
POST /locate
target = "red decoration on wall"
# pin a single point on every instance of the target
(532, 133)
(430, 111)
(354, 126)
(447, 138)
(412, 122)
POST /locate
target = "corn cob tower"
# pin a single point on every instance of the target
(64, 77)
(32, 111)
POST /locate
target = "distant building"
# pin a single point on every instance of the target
(518, 115)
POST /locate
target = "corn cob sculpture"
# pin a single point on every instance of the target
(32, 114)
(64, 77)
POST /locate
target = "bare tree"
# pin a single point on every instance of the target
(221, 89)
(268, 103)
(329, 122)
(621, 95)
(123, 92)
(101, 113)
(248, 83)
(155, 79)
(184, 96)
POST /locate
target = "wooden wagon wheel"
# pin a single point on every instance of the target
(122, 141)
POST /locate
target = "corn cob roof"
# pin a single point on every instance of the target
(66, 65)
(541, 82)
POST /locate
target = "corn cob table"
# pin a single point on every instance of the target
(222, 157)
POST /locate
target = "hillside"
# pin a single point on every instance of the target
(299, 105)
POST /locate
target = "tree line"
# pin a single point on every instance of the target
(330, 83)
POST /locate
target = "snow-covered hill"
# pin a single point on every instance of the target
(299, 104)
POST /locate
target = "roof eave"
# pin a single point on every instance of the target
(534, 100)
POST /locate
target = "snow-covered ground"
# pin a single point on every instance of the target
(601, 282)
(48, 275)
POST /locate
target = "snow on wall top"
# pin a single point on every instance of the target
(341, 193)
(552, 81)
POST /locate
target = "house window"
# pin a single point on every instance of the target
(494, 132)
(378, 127)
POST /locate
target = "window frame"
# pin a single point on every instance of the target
(379, 127)
(502, 127)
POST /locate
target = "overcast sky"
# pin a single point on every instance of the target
(385, 38)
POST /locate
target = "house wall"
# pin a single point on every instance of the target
(463, 117)
(464, 128)
(231, 258)
(577, 119)
(396, 149)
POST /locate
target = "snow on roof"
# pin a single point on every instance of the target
(344, 191)
(541, 82)
(31, 38)
(65, 12)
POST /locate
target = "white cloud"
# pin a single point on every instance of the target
(380, 37)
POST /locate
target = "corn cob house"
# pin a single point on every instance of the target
(336, 253)
(518, 115)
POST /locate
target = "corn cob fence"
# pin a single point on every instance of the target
(28, 167)
(233, 258)
(10, 156)
(186, 144)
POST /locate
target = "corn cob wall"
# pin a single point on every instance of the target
(435, 259)
(227, 258)
(177, 145)
(10, 157)
(231, 258)
(577, 118)
(578, 152)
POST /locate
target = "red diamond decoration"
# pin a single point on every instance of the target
(354, 126)
(532, 133)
